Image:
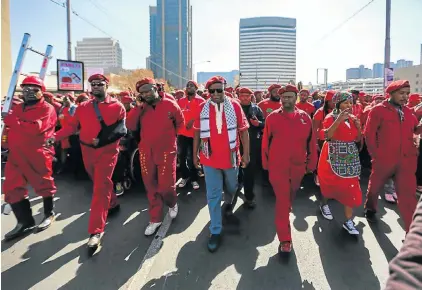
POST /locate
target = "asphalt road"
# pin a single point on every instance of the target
(324, 256)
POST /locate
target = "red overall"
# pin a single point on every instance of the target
(288, 152)
(390, 144)
(99, 163)
(29, 160)
(157, 151)
(268, 105)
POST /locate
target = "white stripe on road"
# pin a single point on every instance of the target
(139, 278)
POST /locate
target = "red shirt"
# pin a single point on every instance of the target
(307, 107)
(190, 110)
(319, 116)
(158, 125)
(111, 110)
(357, 110)
(220, 148)
(268, 105)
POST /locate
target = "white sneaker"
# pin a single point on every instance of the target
(326, 212)
(7, 209)
(173, 211)
(349, 226)
(152, 228)
(195, 185)
(183, 182)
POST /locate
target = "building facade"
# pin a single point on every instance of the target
(369, 85)
(378, 70)
(102, 53)
(171, 41)
(358, 73)
(267, 51)
(203, 77)
(413, 74)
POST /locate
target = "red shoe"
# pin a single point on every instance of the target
(285, 247)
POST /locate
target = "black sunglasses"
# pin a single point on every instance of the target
(213, 91)
(97, 84)
(31, 89)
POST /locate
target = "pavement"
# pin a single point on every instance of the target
(324, 256)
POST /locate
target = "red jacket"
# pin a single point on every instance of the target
(388, 138)
(268, 105)
(158, 126)
(289, 140)
(30, 126)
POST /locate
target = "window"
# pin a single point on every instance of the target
(417, 82)
(417, 75)
(416, 90)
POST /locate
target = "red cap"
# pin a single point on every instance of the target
(229, 89)
(287, 88)
(145, 81)
(274, 86)
(245, 91)
(126, 99)
(397, 85)
(98, 77)
(414, 98)
(304, 91)
(257, 92)
(194, 83)
(329, 95)
(33, 80)
(362, 94)
(214, 80)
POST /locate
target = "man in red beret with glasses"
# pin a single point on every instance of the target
(217, 129)
(290, 129)
(304, 105)
(190, 106)
(389, 138)
(101, 124)
(29, 161)
(159, 119)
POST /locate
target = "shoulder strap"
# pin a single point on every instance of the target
(97, 112)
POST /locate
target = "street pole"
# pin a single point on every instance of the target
(387, 40)
(69, 39)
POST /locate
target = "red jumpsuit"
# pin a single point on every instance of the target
(64, 119)
(288, 152)
(390, 144)
(307, 107)
(345, 190)
(29, 160)
(99, 163)
(268, 105)
(157, 151)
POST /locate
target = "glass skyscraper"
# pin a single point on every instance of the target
(171, 41)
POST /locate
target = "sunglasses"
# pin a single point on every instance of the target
(31, 89)
(213, 91)
(97, 84)
(146, 88)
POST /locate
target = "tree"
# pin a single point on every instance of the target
(128, 79)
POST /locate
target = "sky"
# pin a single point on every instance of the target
(216, 31)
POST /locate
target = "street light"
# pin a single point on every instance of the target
(193, 68)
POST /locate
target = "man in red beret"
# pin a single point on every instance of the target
(258, 96)
(217, 129)
(101, 124)
(179, 94)
(256, 121)
(159, 119)
(190, 106)
(29, 161)
(273, 102)
(304, 105)
(127, 100)
(290, 129)
(414, 100)
(389, 138)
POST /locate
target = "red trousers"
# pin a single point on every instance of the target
(158, 170)
(99, 164)
(285, 185)
(33, 167)
(403, 173)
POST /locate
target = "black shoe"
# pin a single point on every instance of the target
(46, 222)
(49, 215)
(113, 210)
(26, 222)
(370, 216)
(19, 230)
(214, 242)
(250, 204)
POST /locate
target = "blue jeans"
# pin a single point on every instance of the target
(214, 179)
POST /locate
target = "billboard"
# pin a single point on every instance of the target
(388, 76)
(70, 75)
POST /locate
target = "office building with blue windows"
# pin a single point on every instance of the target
(171, 41)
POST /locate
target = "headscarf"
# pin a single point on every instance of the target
(339, 98)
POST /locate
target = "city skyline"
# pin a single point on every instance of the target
(377, 70)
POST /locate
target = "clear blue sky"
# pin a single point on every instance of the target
(216, 30)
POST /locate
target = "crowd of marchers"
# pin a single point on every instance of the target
(226, 135)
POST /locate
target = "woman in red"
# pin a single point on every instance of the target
(339, 166)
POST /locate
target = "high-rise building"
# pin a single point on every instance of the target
(267, 51)
(171, 41)
(401, 63)
(378, 70)
(358, 73)
(102, 53)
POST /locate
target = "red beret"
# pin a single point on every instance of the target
(179, 92)
(315, 93)
(362, 94)
(144, 81)
(257, 92)
(228, 94)
(304, 91)
(229, 89)
(81, 97)
(274, 86)
(193, 82)
(397, 85)
(287, 88)
(214, 80)
(329, 95)
(98, 77)
(124, 93)
(414, 98)
(245, 91)
(126, 99)
(48, 95)
(378, 97)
